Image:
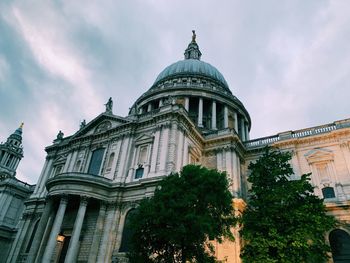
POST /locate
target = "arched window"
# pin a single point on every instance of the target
(127, 232)
(110, 160)
(96, 161)
(340, 246)
(328, 192)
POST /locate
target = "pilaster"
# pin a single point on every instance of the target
(155, 152)
(40, 231)
(106, 231)
(98, 233)
(164, 149)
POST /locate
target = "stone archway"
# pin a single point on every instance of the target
(340, 245)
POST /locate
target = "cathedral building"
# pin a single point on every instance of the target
(93, 179)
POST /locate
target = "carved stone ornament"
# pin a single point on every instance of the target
(104, 126)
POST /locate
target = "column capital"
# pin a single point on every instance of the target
(64, 198)
(48, 198)
(84, 200)
(103, 205)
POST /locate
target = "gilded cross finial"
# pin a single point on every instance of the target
(21, 126)
(193, 36)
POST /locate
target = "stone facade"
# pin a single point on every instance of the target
(92, 179)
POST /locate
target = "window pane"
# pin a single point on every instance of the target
(328, 192)
(95, 163)
(139, 173)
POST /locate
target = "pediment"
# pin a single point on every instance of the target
(319, 155)
(144, 139)
(100, 124)
(60, 159)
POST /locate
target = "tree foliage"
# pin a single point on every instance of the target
(284, 221)
(187, 210)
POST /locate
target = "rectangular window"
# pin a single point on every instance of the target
(96, 161)
(139, 173)
(328, 192)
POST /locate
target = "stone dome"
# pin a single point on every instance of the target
(191, 67)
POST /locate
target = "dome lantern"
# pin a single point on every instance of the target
(192, 51)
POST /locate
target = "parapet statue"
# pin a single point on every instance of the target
(82, 124)
(109, 105)
(60, 135)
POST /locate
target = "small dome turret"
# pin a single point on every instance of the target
(16, 137)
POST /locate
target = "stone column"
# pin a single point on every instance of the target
(235, 117)
(11, 165)
(225, 117)
(200, 112)
(242, 130)
(4, 158)
(246, 132)
(160, 103)
(213, 115)
(74, 242)
(107, 228)
(55, 230)
(187, 103)
(149, 107)
(97, 234)
(40, 231)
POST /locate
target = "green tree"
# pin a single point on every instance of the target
(284, 221)
(187, 210)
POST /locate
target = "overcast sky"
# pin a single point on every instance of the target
(60, 61)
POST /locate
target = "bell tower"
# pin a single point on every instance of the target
(11, 153)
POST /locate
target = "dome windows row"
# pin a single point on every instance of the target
(190, 82)
(208, 114)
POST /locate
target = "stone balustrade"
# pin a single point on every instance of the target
(264, 141)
